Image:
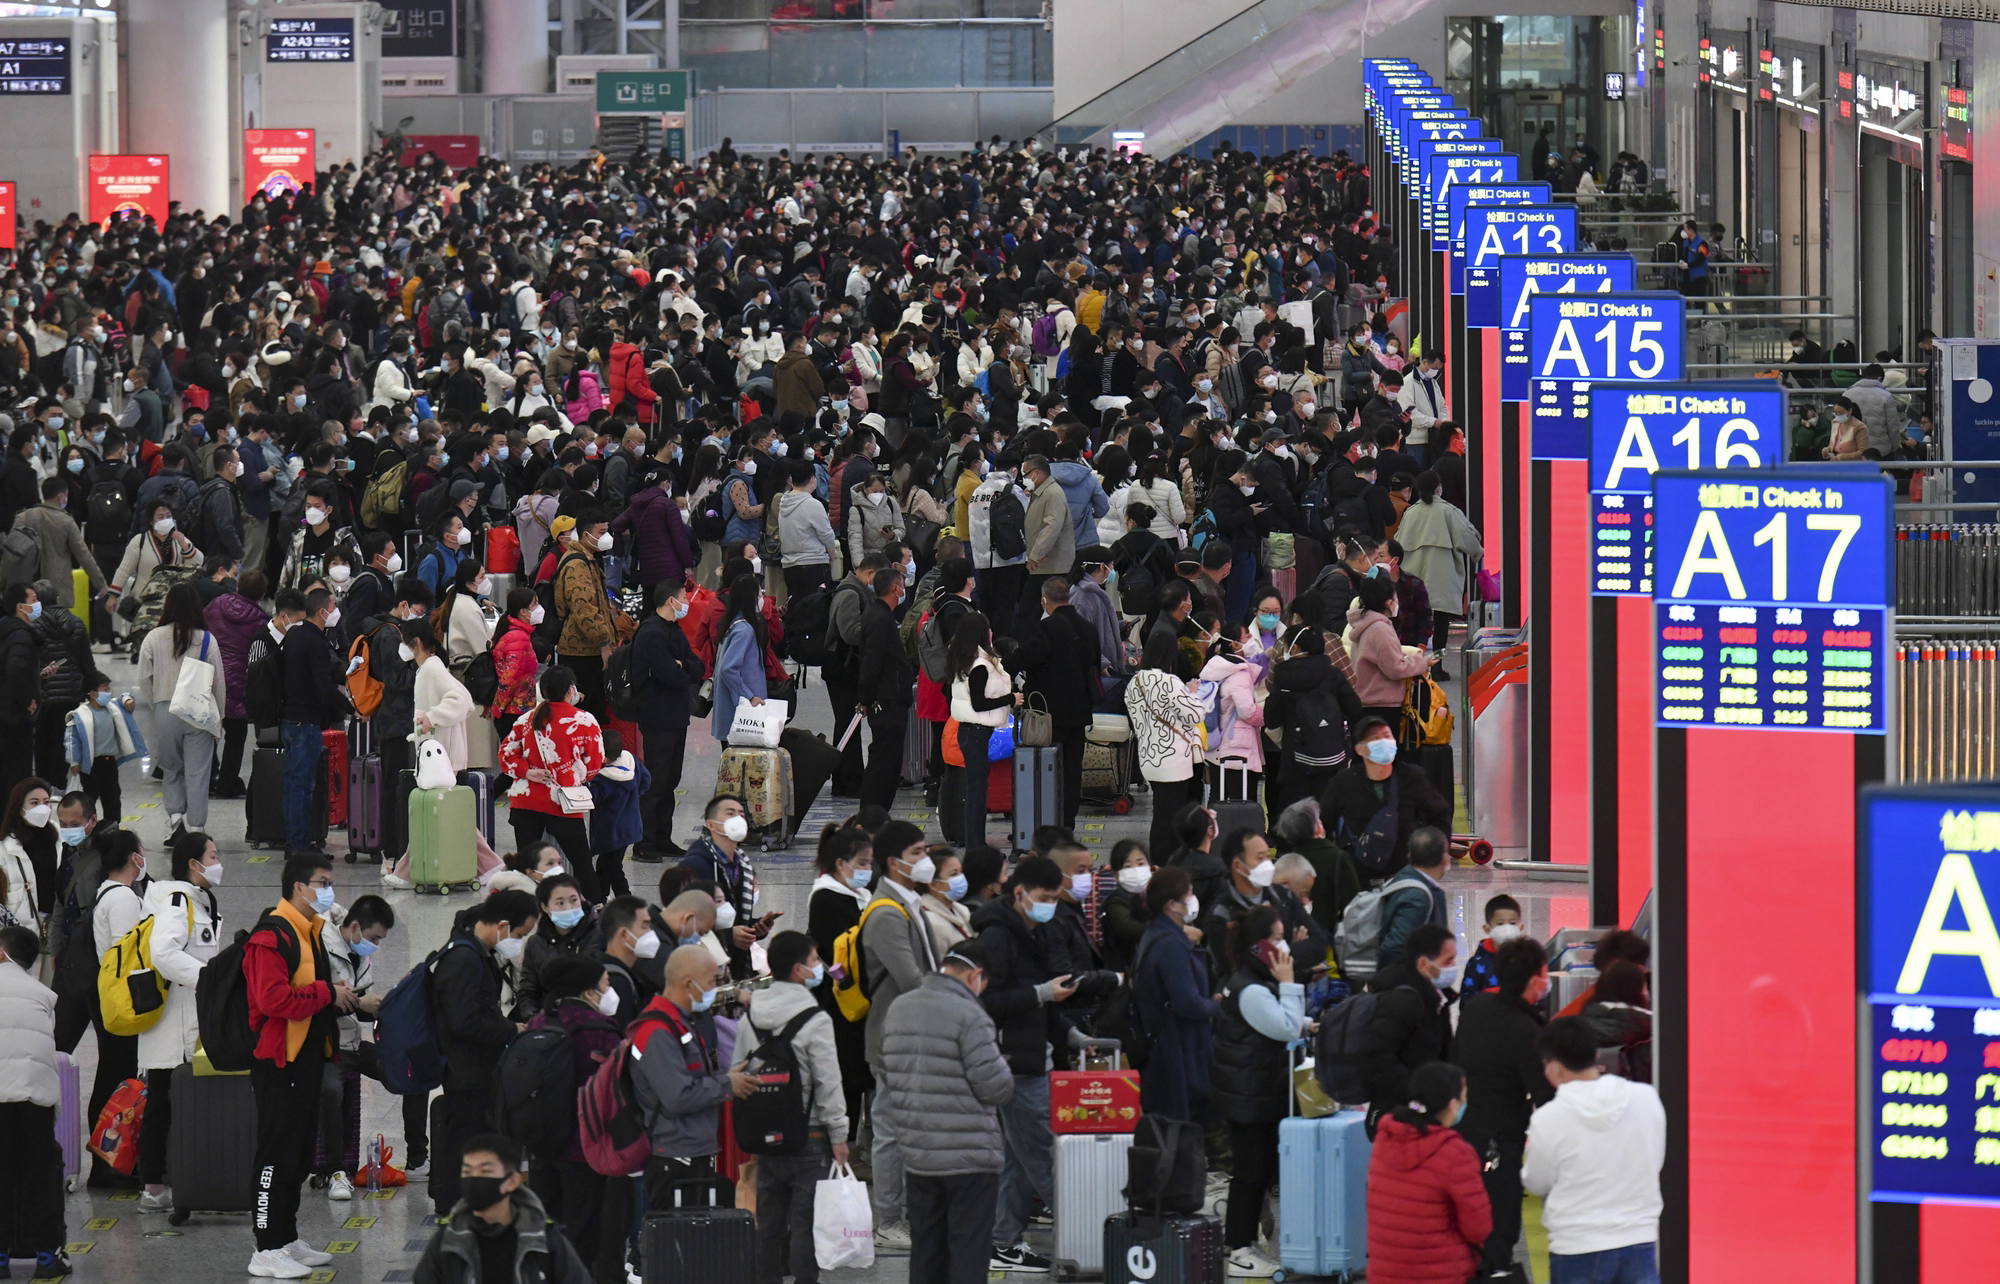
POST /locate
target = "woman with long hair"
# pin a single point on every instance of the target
(846, 865)
(28, 852)
(704, 492)
(551, 754)
(1167, 729)
(463, 632)
(982, 702)
(1442, 548)
(183, 751)
(739, 660)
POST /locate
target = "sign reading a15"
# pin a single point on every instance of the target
(1577, 339)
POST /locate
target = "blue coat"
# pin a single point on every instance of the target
(739, 674)
(1086, 498)
(1171, 987)
(615, 823)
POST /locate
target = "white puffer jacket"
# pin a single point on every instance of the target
(179, 952)
(998, 684)
(27, 1039)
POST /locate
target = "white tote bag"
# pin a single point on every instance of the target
(757, 726)
(194, 693)
(843, 1221)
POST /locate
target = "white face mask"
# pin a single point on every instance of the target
(464, 537)
(1193, 908)
(604, 542)
(1261, 875)
(332, 618)
(725, 917)
(38, 815)
(212, 874)
(1080, 884)
(164, 527)
(1504, 932)
(338, 572)
(510, 947)
(535, 615)
(736, 829)
(1135, 879)
(607, 1003)
(756, 566)
(923, 872)
(408, 656)
(315, 516)
(394, 564)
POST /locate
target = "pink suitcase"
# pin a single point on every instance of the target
(69, 1123)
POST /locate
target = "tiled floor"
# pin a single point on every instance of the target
(379, 1239)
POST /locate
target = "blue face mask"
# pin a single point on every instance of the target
(34, 611)
(72, 835)
(104, 698)
(957, 887)
(859, 879)
(364, 947)
(819, 974)
(566, 919)
(1041, 911)
(706, 1001)
(323, 898)
(75, 465)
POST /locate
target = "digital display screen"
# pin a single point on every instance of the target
(1929, 875)
(1429, 147)
(1491, 231)
(1635, 430)
(1446, 172)
(309, 40)
(1423, 133)
(1574, 342)
(1463, 195)
(34, 66)
(1417, 111)
(1522, 278)
(1771, 598)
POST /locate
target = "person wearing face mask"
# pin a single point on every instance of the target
(944, 912)
(500, 1232)
(313, 702)
(667, 673)
(30, 1105)
(1382, 664)
(1495, 1043)
(593, 1211)
(1415, 895)
(568, 929)
(1378, 800)
(557, 748)
(187, 932)
(295, 1002)
(1503, 924)
(632, 941)
(183, 750)
(786, 1184)
(718, 856)
(678, 1081)
(160, 546)
(883, 688)
(661, 549)
(845, 861)
(352, 936)
(1428, 1211)
(1412, 1024)
(472, 1030)
(591, 629)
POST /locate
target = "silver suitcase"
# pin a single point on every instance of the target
(1090, 1188)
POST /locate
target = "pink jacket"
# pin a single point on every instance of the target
(1380, 663)
(1242, 716)
(589, 397)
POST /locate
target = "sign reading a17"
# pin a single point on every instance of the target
(1796, 535)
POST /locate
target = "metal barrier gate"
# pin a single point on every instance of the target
(1947, 704)
(1948, 570)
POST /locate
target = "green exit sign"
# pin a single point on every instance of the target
(641, 92)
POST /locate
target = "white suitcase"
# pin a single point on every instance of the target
(1090, 1187)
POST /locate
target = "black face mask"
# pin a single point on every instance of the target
(482, 1192)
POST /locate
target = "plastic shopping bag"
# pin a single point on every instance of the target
(757, 726)
(843, 1222)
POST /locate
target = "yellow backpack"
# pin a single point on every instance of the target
(1427, 711)
(848, 989)
(130, 993)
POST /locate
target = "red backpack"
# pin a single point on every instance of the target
(611, 1126)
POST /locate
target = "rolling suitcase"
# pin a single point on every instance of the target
(364, 801)
(1090, 1173)
(70, 1130)
(481, 785)
(1323, 1194)
(1234, 808)
(1037, 792)
(444, 847)
(1309, 559)
(1143, 1248)
(813, 763)
(705, 1238)
(635, 740)
(917, 750)
(1000, 787)
(264, 806)
(396, 812)
(211, 1151)
(763, 779)
(333, 768)
(1437, 762)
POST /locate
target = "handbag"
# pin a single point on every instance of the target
(574, 800)
(1487, 585)
(757, 726)
(921, 535)
(194, 693)
(843, 1221)
(1033, 727)
(702, 703)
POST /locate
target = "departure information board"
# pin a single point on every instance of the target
(1437, 214)
(1494, 231)
(1574, 342)
(1522, 278)
(1466, 194)
(1635, 429)
(1771, 598)
(1928, 876)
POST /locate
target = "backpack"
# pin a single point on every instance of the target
(1007, 525)
(366, 689)
(107, 514)
(1209, 695)
(549, 631)
(1359, 934)
(774, 1119)
(1314, 508)
(130, 993)
(1118, 1018)
(621, 684)
(1337, 1058)
(406, 1030)
(809, 626)
(384, 496)
(933, 650)
(187, 508)
(1375, 847)
(1044, 339)
(20, 555)
(222, 999)
(850, 986)
(1203, 530)
(1426, 712)
(208, 488)
(482, 678)
(1316, 733)
(710, 521)
(1352, 514)
(611, 1127)
(534, 1090)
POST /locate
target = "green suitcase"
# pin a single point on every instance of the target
(443, 839)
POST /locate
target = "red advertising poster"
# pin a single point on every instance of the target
(7, 216)
(276, 161)
(457, 151)
(121, 185)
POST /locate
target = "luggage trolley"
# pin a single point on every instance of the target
(1110, 762)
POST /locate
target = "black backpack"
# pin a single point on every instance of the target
(549, 631)
(1119, 1018)
(222, 999)
(1139, 584)
(621, 684)
(809, 626)
(534, 1090)
(1337, 1058)
(107, 514)
(774, 1119)
(1166, 1170)
(1316, 733)
(710, 521)
(1007, 525)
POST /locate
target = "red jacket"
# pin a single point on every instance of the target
(274, 1001)
(626, 369)
(570, 749)
(1428, 1214)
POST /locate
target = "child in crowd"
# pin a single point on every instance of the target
(1503, 924)
(615, 823)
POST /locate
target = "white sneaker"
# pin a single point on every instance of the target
(305, 1254)
(341, 1188)
(1245, 1263)
(160, 1203)
(390, 880)
(277, 1264)
(893, 1235)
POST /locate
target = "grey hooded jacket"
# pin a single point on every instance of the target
(540, 1257)
(946, 1080)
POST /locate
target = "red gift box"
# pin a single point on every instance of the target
(1093, 1101)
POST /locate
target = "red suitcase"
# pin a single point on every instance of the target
(635, 744)
(503, 551)
(335, 760)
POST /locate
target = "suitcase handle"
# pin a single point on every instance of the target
(1110, 1045)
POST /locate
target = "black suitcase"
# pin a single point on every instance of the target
(695, 1244)
(1140, 1248)
(1233, 806)
(212, 1148)
(264, 806)
(1438, 764)
(813, 764)
(1037, 792)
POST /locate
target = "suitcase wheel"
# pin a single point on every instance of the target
(1121, 804)
(1480, 851)
(178, 1217)
(350, 857)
